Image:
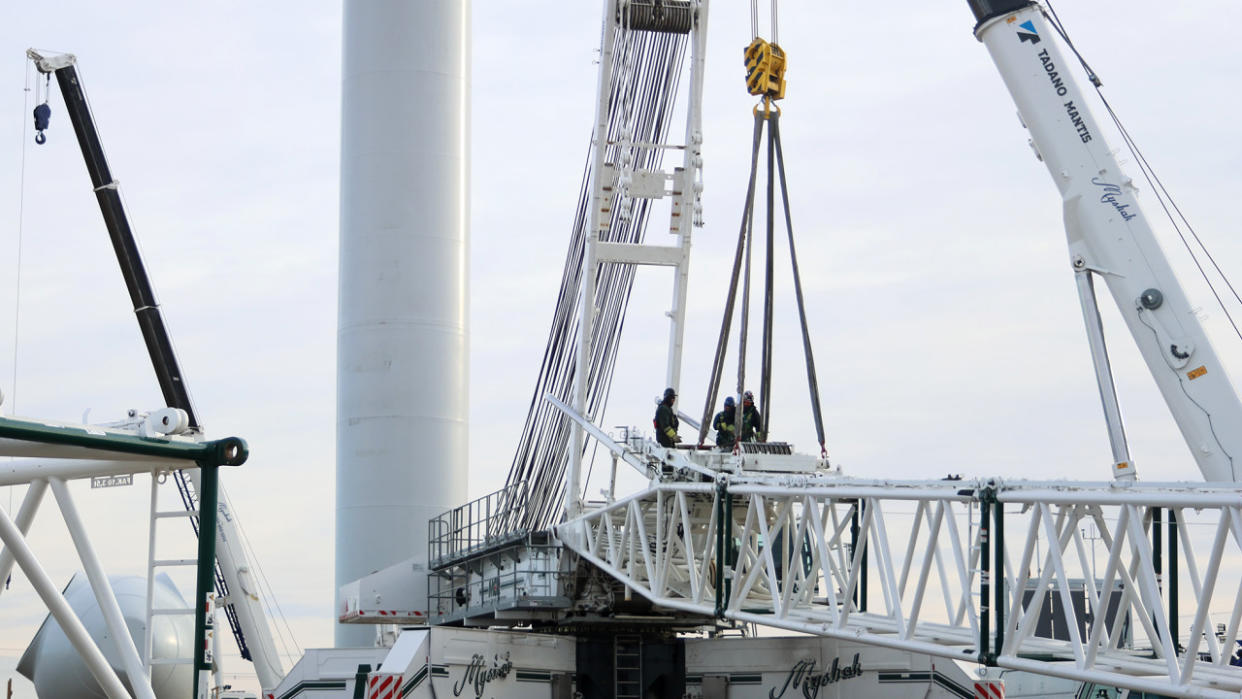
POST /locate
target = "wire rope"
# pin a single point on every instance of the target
(643, 84)
(269, 595)
(17, 263)
(775, 24)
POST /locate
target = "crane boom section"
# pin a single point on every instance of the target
(250, 625)
(1108, 235)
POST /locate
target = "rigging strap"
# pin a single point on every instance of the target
(811, 378)
(741, 269)
(765, 376)
(713, 385)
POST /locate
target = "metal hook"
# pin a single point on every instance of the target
(42, 117)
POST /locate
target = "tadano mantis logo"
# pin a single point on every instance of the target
(1030, 34)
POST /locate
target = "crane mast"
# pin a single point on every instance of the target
(1109, 237)
(234, 581)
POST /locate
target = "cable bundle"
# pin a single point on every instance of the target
(643, 87)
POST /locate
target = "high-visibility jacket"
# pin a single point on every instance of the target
(666, 424)
(752, 424)
(725, 424)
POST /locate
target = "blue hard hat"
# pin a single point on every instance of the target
(729, 401)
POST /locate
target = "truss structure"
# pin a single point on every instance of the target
(51, 454)
(1002, 573)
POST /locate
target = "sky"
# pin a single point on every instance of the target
(945, 322)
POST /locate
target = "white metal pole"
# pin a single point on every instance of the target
(138, 679)
(691, 184)
(60, 610)
(25, 515)
(149, 632)
(21, 471)
(217, 660)
(601, 201)
(1123, 468)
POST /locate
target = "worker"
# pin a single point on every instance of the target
(725, 424)
(666, 422)
(752, 422)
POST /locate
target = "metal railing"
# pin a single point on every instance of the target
(522, 574)
(477, 526)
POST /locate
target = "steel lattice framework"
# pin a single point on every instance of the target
(965, 574)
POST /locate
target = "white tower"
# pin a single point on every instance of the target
(402, 347)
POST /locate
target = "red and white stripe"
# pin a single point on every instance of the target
(990, 689)
(383, 686)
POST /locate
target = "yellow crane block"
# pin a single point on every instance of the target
(765, 69)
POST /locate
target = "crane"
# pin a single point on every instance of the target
(1110, 239)
(782, 541)
(787, 541)
(243, 610)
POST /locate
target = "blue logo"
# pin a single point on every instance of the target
(1030, 34)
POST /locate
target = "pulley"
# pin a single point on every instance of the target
(42, 115)
(765, 69)
(666, 16)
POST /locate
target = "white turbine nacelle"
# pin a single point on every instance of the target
(57, 670)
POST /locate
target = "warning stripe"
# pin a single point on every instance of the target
(382, 687)
(989, 690)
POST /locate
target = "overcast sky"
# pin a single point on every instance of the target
(943, 312)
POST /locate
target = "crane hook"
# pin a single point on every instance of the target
(42, 115)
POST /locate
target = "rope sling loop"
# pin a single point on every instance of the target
(765, 77)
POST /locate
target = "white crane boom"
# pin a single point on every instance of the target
(1109, 236)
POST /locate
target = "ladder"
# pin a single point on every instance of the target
(627, 667)
(153, 565)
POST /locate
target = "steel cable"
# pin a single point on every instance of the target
(643, 80)
(1163, 197)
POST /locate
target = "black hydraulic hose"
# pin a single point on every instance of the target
(812, 381)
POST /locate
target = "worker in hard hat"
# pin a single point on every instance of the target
(752, 423)
(666, 422)
(725, 424)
